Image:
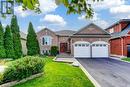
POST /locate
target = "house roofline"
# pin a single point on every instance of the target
(107, 33)
(121, 20)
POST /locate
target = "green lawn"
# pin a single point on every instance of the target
(126, 59)
(59, 75)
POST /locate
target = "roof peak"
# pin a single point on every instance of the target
(121, 20)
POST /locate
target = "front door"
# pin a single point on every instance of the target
(63, 47)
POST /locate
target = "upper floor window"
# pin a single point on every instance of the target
(47, 40)
(112, 30)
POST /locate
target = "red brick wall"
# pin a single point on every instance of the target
(118, 27)
(123, 25)
(116, 47)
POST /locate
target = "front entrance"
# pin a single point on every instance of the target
(128, 50)
(63, 47)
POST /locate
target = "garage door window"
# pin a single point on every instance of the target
(83, 45)
(75, 45)
(104, 45)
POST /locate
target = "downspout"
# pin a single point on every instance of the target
(122, 45)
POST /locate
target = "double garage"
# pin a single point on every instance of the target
(97, 49)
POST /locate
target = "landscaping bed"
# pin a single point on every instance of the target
(59, 75)
(21, 68)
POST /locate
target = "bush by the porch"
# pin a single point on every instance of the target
(23, 68)
(54, 50)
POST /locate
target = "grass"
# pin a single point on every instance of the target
(126, 59)
(59, 75)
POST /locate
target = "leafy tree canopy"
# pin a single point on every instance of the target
(73, 6)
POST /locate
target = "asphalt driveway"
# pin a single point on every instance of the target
(108, 72)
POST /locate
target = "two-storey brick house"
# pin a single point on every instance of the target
(120, 40)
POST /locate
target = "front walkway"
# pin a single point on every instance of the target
(64, 57)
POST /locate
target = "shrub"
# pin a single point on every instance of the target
(23, 68)
(54, 50)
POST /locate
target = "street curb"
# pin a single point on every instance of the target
(96, 84)
(120, 60)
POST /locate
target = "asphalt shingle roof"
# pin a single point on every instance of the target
(122, 33)
(65, 32)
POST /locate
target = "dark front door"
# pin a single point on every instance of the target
(128, 50)
(63, 47)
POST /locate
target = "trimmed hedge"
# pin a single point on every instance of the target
(23, 68)
(54, 50)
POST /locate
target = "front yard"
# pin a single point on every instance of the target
(59, 75)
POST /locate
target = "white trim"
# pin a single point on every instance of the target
(122, 46)
(80, 42)
(46, 36)
(120, 56)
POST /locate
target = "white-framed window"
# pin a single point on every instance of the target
(112, 30)
(46, 40)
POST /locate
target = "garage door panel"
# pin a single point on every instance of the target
(97, 49)
(82, 50)
(100, 50)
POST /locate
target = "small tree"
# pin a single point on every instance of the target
(8, 42)
(32, 42)
(2, 49)
(16, 37)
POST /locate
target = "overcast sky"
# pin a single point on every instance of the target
(55, 18)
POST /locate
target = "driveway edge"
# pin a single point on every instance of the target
(96, 84)
(120, 60)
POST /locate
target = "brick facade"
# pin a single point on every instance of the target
(57, 40)
(118, 44)
(47, 32)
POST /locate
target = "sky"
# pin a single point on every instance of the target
(55, 18)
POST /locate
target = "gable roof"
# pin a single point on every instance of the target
(124, 32)
(45, 29)
(122, 20)
(65, 32)
(92, 24)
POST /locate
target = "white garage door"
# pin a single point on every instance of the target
(82, 50)
(100, 49)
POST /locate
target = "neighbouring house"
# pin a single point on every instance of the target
(90, 41)
(120, 40)
(23, 42)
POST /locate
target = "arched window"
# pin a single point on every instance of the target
(47, 40)
(43, 41)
